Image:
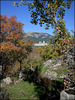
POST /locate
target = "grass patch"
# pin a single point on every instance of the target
(63, 71)
(59, 79)
(44, 69)
(22, 90)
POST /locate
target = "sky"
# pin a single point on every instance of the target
(23, 15)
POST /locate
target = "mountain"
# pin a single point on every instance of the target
(38, 36)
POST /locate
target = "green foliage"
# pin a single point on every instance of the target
(63, 71)
(49, 52)
(55, 55)
(61, 37)
(33, 76)
(59, 79)
(60, 32)
(32, 61)
(46, 11)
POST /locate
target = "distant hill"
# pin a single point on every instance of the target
(38, 36)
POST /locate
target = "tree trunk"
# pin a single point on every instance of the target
(20, 73)
(31, 64)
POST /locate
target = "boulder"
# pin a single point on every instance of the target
(0, 71)
(68, 94)
(62, 76)
(50, 74)
(58, 64)
(15, 82)
(7, 80)
(47, 63)
(20, 75)
(53, 63)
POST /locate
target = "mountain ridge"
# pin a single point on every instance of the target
(38, 36)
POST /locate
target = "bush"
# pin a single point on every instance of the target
(49, 52)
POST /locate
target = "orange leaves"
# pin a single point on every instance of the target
(8, 46)
(63, 44)
(9, 36)
(21, 42)
(10, 24)
(11, 32)
(65, 52)
(16, 36)
(29, 42)
(0, 36)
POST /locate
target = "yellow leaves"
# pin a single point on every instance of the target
(63, 50)
(73, 44)
(16, 66)
(48, 5)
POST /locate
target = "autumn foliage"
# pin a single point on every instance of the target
(13, 46)
(11, 34)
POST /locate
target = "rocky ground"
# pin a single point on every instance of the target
(54, 69)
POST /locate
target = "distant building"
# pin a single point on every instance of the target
(40, 43)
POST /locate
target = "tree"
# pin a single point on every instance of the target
(13, 45)
(61, 37)
(46, 11)
(33, 60)
(48, 52)
(49, 12)
(69, 55)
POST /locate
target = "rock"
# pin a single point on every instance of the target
(0, 71)
(58, 64)
(50, 74)
(0, 68)
(7, 80)
(62, 76)
(2, 84)
(49, 62)
(20, 75)
(55, 68)
(53, 63)
(66, 96)
(15, 82)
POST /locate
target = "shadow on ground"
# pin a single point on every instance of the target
(48, 89)
(45, 88)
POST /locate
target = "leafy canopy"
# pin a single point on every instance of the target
(46, 11)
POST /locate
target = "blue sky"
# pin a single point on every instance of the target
(23, 15)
